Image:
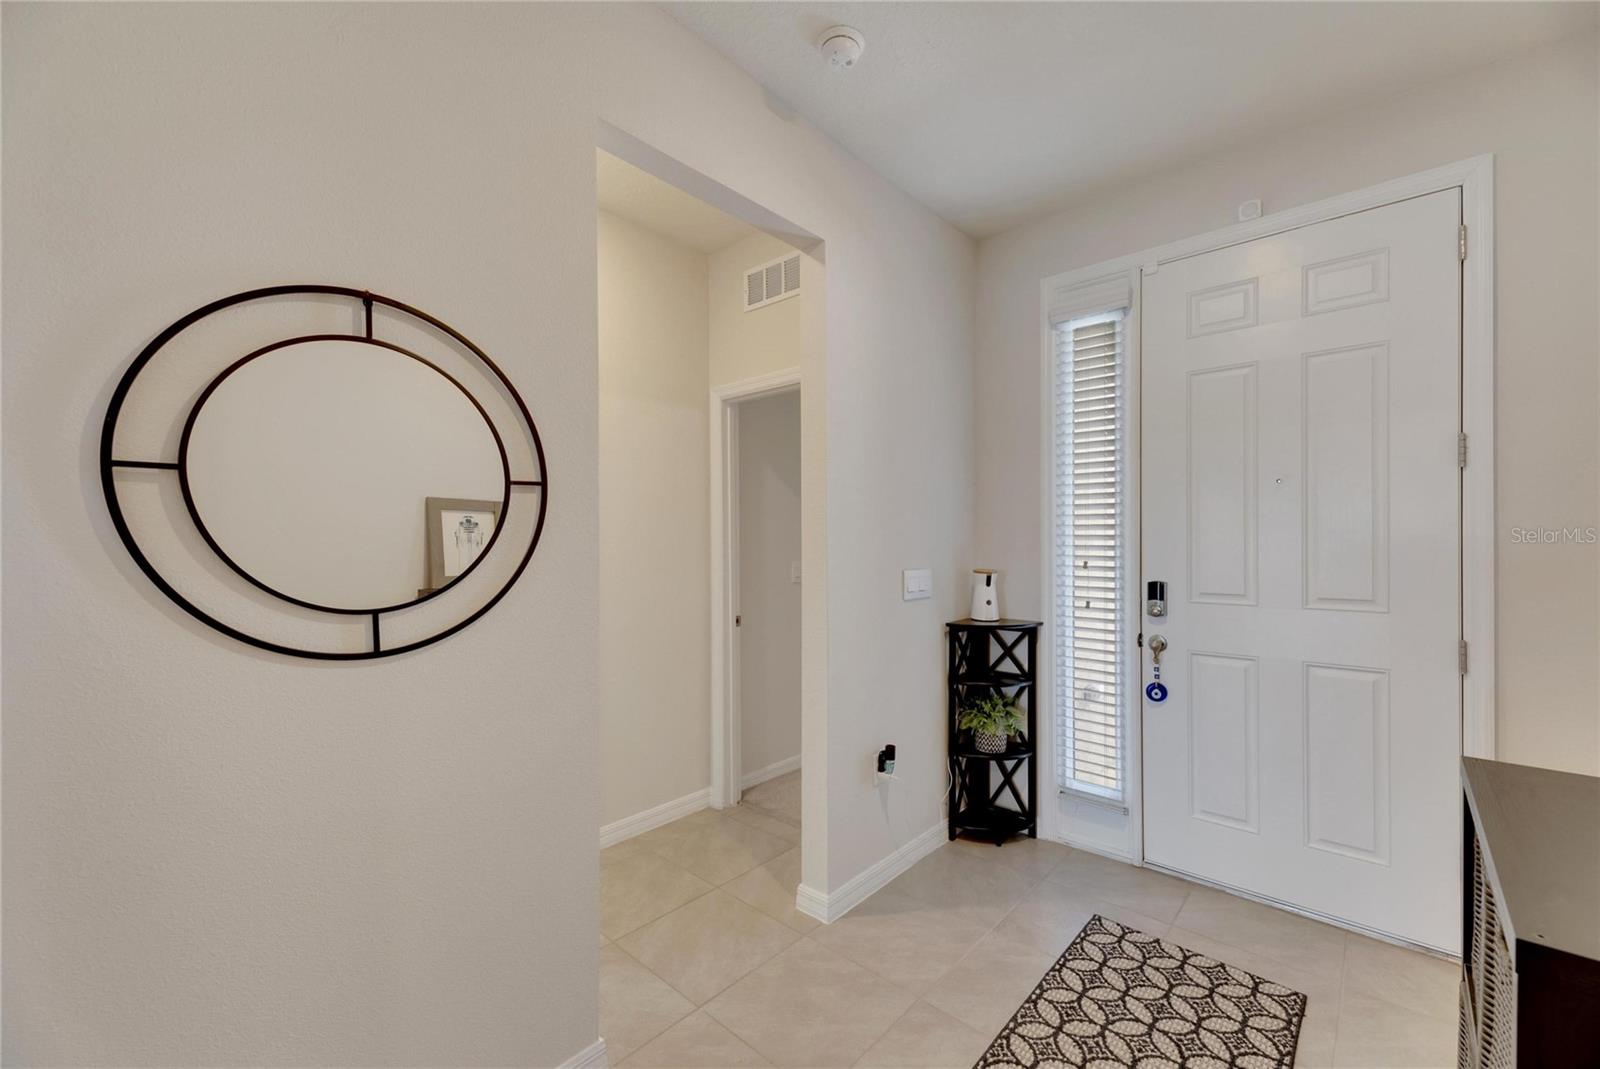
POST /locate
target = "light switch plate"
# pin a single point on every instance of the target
(916, 584)
(794, 571)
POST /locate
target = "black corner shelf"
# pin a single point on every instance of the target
(994, 680)
(997, 656)
(965, 749)
(999, 824)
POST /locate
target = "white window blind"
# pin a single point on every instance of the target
(1090, 540)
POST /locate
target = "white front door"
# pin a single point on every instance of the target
(1300, 497)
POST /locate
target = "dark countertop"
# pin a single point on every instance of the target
(1542, 829)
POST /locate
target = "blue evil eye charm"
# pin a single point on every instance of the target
(1156, 692)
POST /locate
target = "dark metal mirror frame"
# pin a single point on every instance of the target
(110, 463)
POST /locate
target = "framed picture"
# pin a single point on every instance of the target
(458, 530)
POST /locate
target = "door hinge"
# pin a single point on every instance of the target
(1462, 240)
(1463, 656)
(738, 621)
(1461, 450)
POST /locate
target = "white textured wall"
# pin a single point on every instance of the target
(744, 344)
(1539, 114)
(769, 601)
(655, 630)
(383, 432)
(218, 857)
(887, 428)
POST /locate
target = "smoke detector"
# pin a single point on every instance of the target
(842, 45)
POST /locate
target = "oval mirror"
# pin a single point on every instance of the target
(342, 473)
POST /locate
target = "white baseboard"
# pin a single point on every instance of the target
(772, 771)
(828, 908)
(813, 904)
(591, 1057)
(1089, 846)
(665, 813)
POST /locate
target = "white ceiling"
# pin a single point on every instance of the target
(639, 197)
(993, 114)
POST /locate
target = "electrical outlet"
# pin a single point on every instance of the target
(886, 763)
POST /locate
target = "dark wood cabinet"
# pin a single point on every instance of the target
(1530, 970)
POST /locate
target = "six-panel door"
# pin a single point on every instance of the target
(1300, 495)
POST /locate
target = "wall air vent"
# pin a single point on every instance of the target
(772, 282)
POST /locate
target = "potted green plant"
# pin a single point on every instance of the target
(992, 719)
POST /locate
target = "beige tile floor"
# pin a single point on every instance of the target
(705, 963)
(779, 797)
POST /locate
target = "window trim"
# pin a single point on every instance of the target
(1119, 309)
(1071, 815)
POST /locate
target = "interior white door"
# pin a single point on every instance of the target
(1300, 496)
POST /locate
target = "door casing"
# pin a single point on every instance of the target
(726, 771)
(1101, 829)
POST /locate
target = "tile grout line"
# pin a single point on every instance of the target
(1338, 1011)
(671, 1025)
(709, 888)
(702, 1005)
(712, 888)
(640, 927)
(616, 941)
(895, 985)
(673, 861)
(975, 944)
(877, 1038)
(805, 938)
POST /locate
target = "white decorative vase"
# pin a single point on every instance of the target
(988, 741)
(985, 596)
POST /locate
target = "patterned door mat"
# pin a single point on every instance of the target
(1117, 996)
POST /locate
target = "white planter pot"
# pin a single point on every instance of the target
(989, 741)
